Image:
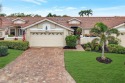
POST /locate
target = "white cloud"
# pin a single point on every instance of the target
(38, 2)
(71, 8)
(71, 11)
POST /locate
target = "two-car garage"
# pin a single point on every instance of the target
(46, 39)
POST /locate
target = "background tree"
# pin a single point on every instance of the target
(49, 15)
(89, 12)
(2, 15)
(86, 13)
(65, 16)
(81, 13)
(24, 15)
(103, 32)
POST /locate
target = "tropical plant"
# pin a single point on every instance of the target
(113, 40)
(86, 13)
(103, 32)
(81, 13)
(89, 12)
(78, 33)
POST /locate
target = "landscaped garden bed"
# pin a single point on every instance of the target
(67, 47)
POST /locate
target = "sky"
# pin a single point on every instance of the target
(62, 7)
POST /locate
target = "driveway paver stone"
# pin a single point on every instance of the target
(37, 65)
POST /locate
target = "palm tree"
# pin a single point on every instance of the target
(81, 13)
(89, 12)
(102, 31)
(86, 12)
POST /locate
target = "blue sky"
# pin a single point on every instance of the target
(61, 7)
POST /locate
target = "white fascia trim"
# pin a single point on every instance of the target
(49, 21)
(74, 19)
(119, 25)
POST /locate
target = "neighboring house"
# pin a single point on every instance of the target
(51, 31)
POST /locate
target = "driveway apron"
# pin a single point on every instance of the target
(37, 65)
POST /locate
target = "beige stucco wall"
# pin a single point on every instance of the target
(122, 37)
(89, 39)
(74, 22)
(3, 33)
(86, 31)
(84, 40)
(51, 27)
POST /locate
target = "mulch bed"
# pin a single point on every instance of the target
(106, 61)
(67, 47)
(1, 38)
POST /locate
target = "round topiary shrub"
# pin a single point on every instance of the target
(3, 50)
(71, 40)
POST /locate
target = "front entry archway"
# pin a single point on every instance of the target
(75, 30)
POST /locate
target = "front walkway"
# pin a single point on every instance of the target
(37, 65)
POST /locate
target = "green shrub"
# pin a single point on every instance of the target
(95, 44)
(113, 40)
(88, 49)
(3, 50)
(87, 45)
(18, 45)
(71, 40)
(113, 48)
(97, 48)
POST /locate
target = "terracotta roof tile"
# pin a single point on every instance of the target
(86, 22)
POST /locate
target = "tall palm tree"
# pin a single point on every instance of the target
(86, 13)
(89, 12)
(81, 13)
(102, 31)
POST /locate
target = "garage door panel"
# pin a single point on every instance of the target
(46, 40)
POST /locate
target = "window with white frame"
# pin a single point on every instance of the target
(0, 34)
(20, 32)
(12, 32)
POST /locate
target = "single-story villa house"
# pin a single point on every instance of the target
(51, 31)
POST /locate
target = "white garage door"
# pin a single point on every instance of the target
(122, 38)
(40, 39)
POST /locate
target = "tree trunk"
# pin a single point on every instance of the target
(103, 51)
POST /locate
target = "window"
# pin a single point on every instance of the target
(0, 34)
(12, 32)
(20, 32)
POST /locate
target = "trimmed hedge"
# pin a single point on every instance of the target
(18, 45)
(71, 40)
(112, 48)
(3, 50)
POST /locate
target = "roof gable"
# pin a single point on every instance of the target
(48, 21)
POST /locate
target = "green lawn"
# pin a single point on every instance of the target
(84, 68)
(13, 54)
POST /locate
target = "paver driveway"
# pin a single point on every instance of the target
(37, 65)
